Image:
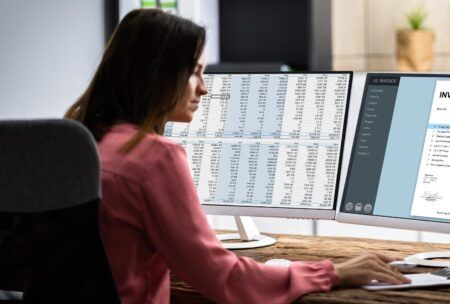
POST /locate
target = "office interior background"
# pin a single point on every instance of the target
(49, 50)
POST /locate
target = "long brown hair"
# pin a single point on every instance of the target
(142, 75)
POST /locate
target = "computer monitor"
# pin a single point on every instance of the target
(268, 144)
(399, 169)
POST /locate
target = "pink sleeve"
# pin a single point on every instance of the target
(178, 228)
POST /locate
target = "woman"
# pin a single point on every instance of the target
(151, 218)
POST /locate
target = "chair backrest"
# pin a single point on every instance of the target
(47, 165)
(49, 176)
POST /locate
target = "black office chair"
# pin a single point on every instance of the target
(49, 177)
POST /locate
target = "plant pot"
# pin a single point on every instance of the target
(415, 50)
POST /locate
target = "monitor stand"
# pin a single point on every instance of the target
(426, 259)
(248, 235)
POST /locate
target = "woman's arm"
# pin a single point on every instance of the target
(178, 228)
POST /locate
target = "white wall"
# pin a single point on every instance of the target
(49, 50)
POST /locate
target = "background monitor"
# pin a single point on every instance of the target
(257, 33)
(399, 170)
(268, 144)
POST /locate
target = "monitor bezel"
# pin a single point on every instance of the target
(380, 220)
(291, 212)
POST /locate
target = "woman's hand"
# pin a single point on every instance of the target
(365, 268)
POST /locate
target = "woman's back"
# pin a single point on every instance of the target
(139, 272)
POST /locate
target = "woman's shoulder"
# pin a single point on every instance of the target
(143, 159)
(121, 133)
(158, 143)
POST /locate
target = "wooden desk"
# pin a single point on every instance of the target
(337, 249)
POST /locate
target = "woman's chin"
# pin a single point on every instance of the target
(184, 119)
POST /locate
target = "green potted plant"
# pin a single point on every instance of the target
(415, 44)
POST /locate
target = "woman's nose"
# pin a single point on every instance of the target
(203, 90)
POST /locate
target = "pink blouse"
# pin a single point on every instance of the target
(152, 223)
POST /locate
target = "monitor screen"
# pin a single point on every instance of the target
(271, 142)
(399, 170)
(246, 36)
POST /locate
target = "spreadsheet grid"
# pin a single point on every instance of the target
(267, 139)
